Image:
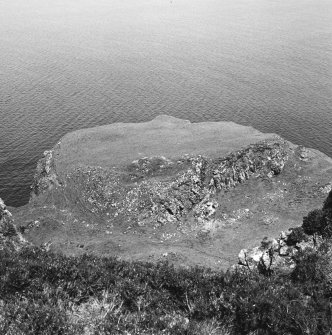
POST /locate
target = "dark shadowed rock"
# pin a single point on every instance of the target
(328, 202)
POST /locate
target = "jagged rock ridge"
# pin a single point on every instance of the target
(159, 190)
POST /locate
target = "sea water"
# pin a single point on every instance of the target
(70, 64)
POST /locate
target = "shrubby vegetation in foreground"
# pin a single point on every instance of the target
(46, 293)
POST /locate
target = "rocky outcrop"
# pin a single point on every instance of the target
(274, 254)
(279, 254)
(159, 190)
(10, 238)
(261, 159)
(45, 177)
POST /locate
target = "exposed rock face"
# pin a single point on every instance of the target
(198, 192)
(45, 177)
(273, 254)
(9, 236)
(157, 190)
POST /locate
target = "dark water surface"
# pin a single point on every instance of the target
(69, 64)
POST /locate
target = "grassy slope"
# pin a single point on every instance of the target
(119, 144)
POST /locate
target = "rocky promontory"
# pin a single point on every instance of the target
(191, 193)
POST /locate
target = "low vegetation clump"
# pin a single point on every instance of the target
(319, 221)
(46, 293)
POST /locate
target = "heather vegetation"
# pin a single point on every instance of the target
(46, 293)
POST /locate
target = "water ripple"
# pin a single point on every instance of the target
(71, 64)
